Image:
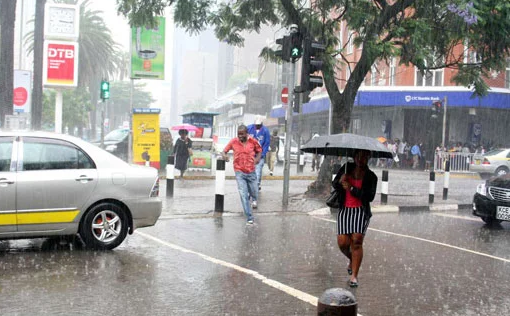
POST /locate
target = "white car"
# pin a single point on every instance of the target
(293, 152)
(59, 185)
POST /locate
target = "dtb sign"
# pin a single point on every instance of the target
(60, 64)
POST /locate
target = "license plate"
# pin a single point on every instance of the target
(477, 162)
(503, 213)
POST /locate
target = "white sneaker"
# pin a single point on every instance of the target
(254, 204)
(250, 222)
(270, 173)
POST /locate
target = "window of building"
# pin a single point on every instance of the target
(429, 78)
(393, 70)
(507, 74)
(373, 75)
(350, 42)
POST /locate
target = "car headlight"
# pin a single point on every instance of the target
(111, 148)
(481, 189)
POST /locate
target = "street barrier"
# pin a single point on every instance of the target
(446, 180)
(384, 188)
(432, 186)
(219, 199)
(459, 162)
(170, 166)
(337, 302)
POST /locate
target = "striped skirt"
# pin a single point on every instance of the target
(352, 220)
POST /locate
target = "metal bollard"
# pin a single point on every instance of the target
(384, 187)
(147, 163)
(220, 186)
(170, 176)
(337, 302)
(432, 186)
(446, 180)
(301, 164)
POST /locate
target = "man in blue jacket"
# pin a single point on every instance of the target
(260, 133)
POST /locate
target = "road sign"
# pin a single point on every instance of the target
(285, 95)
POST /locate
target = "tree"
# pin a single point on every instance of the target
(7, 19)
(422, 33)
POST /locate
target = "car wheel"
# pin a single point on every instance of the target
(501, 171)
(104, 227)
(490, 220)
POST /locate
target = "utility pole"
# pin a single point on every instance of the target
(291, 51)
(445, 101)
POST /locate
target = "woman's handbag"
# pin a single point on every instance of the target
(332, 200)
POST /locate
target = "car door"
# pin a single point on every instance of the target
(55, 179)
(7, 185)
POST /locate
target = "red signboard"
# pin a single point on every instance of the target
(20, 96)
(285, 95)
(60, 63)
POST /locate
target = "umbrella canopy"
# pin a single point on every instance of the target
(345, 144)
(382, 139)
(188, 127)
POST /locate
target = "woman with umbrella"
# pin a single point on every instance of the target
(357, 185)
(182, 151)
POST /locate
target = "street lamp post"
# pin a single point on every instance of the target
(445, 101)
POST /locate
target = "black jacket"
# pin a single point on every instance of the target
(368, 187)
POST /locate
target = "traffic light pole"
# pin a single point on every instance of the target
(444, 122)
(288, 137)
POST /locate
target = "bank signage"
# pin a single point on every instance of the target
(60, 64)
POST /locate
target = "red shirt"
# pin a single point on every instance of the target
(244, 153)
(350, 200)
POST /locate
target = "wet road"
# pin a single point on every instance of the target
(415, 263)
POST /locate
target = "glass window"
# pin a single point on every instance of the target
(507, 74)
(393, 71)
(5, 153)
(50, 154)
(350, 42)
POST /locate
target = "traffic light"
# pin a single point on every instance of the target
(285, 51)
(296, 49)
(105, 90)
(437, 109)
(311, 64)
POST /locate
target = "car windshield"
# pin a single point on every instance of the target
(116, 135)
(494, 152)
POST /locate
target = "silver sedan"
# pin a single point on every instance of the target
(59, 185)
(495, 162)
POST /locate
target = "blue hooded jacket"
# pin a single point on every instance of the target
(263, 136)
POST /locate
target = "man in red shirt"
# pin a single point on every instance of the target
(247, 153)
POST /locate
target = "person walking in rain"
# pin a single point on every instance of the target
(261, 133)
(247, 153)
(182, 151)
(274, 146)
(357, 185)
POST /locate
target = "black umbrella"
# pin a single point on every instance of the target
(345, 144)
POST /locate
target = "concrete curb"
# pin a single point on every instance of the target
(326, 211)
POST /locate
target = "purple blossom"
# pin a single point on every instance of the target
(464, 13)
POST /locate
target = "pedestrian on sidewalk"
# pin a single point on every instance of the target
(316, 159)
(260, 133)
(274, 146)
(415, 151)
(182, 151)
(247, 153)
(357, 185)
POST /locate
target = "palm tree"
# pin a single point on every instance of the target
(99, 55)
(7, 19)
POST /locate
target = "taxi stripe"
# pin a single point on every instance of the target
(47, 217)
(7, 219)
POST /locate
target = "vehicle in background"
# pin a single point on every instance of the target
(220, 143)
(293, 152)
(491, 201)
(495, 162)
(116, 142)
(59, 185)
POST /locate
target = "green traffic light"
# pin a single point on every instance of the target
(295, 52)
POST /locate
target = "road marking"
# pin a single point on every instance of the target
(429, 241)
(475, 219)
(305, 297)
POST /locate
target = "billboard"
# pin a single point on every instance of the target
(22, 91)
(146, 136)
(148, 52)
(60, 64)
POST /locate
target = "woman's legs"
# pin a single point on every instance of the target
(357, 255)
(352, 247)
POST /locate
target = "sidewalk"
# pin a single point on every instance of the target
(408, 190)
